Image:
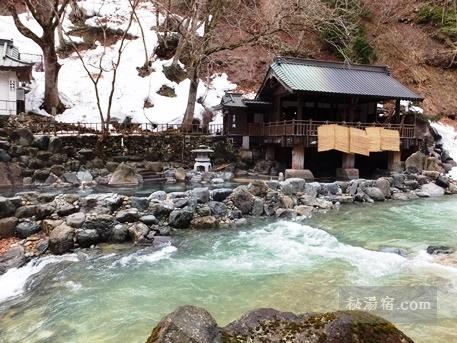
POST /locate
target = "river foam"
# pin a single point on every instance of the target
(274, 248)
(13, 282)
(142, 257)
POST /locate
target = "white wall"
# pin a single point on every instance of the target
(7, 93)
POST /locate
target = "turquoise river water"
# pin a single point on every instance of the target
(118, 295)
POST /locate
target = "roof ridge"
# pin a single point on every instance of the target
(332, 64)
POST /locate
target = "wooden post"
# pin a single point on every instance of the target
(348, 161)
(298, 157)
(245, 145)
(397, 107)
(270, 152)
(300, 105)
(394, 160)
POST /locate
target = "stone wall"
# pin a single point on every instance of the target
(166, 148)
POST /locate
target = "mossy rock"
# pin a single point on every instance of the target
(167, 91)
(192, 324)
(175, 73)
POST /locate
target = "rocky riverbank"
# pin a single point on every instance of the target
(193, 324)
(60, 223)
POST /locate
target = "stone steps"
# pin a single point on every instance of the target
(151, 176)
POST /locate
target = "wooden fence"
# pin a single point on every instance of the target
(63, 129)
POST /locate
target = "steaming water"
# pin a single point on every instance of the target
(116, 295)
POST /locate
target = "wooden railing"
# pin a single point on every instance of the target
(8, 107)
(61, 129)
(308, 128)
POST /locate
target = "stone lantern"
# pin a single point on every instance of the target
(202, 159)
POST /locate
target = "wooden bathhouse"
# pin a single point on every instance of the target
(13, 71)
(325, 117)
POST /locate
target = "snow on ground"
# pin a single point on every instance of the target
(77, 91)
(449, 142)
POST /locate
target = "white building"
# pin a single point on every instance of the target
(13, 72)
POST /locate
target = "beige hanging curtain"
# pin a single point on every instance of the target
(342, 141)
(359, 143)
(374, 136)
(325, 138)
(390, 140)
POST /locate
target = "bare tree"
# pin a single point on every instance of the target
(206, 29)
(145, 69)
(77, 14)
(97, 70)
(47, 14)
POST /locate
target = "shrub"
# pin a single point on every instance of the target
(345, 35)
(440, 16)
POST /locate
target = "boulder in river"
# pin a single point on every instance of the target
(14, 257)
(218, 209)
(416, 162)
(258, 188)
(439, 250)
(201, 194)
(221, 194)
(433, 190)
(181, 218)
(76, 220)
(375, 193)
(293, 186)
(443, 181)
(149, 220)
(61, 239)
(383, 184)
(10, 175)
(196, 325)
(187, 324)
(127, 216)
(8, 227)
(242, 199)
(7, 207)
(137, 232)
(103, 224)
(87, 238)
(125, 176)
(27, 228)
(208, 222)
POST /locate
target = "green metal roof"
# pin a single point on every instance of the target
(339, 78)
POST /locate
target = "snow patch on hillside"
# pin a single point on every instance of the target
(77, 91)
(449, 142)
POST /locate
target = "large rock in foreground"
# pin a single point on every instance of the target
(186, 324)
(196, 325)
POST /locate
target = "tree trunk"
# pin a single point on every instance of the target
(52, 103)
(61, 38)
(189, 115)
(77, 15)
(178, 52)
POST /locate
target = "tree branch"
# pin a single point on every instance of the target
(21, 27)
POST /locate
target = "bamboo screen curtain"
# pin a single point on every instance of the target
(357, 141)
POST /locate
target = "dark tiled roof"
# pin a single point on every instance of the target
(339, 78)
(10, 57)
(237, 100)
(233, 100)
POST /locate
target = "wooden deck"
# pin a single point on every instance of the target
(309, 128)
(285, 133)
(291, 132)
